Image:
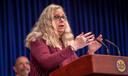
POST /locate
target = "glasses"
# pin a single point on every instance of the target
(60, 17)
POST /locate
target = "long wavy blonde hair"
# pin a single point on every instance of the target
(45, 26)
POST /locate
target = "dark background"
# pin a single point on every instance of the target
(17, 17)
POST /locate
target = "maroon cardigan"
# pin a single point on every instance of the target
(45, 59)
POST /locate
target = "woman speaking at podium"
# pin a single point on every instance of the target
(52, 44)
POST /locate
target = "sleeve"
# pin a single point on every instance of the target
(40, 51)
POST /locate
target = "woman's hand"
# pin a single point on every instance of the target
(95, 45)
(82, 40)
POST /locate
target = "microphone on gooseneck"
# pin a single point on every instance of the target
(110, 42)
(101, 42)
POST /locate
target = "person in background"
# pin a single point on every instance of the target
(22, 66)
(52, 44)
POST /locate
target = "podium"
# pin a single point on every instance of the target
(95, 65)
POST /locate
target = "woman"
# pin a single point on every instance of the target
(52, 44)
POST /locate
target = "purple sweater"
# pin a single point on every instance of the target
(45, 59)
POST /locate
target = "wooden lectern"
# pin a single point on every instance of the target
(95, 65)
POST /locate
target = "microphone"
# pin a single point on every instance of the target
(110, 42)
(107, 50)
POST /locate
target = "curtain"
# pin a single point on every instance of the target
(17, 17)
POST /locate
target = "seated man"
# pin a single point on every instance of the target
(22, 66)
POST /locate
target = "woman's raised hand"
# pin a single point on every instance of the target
(83, 40)
(95, 45)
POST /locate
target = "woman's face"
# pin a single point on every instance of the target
(59, 19)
